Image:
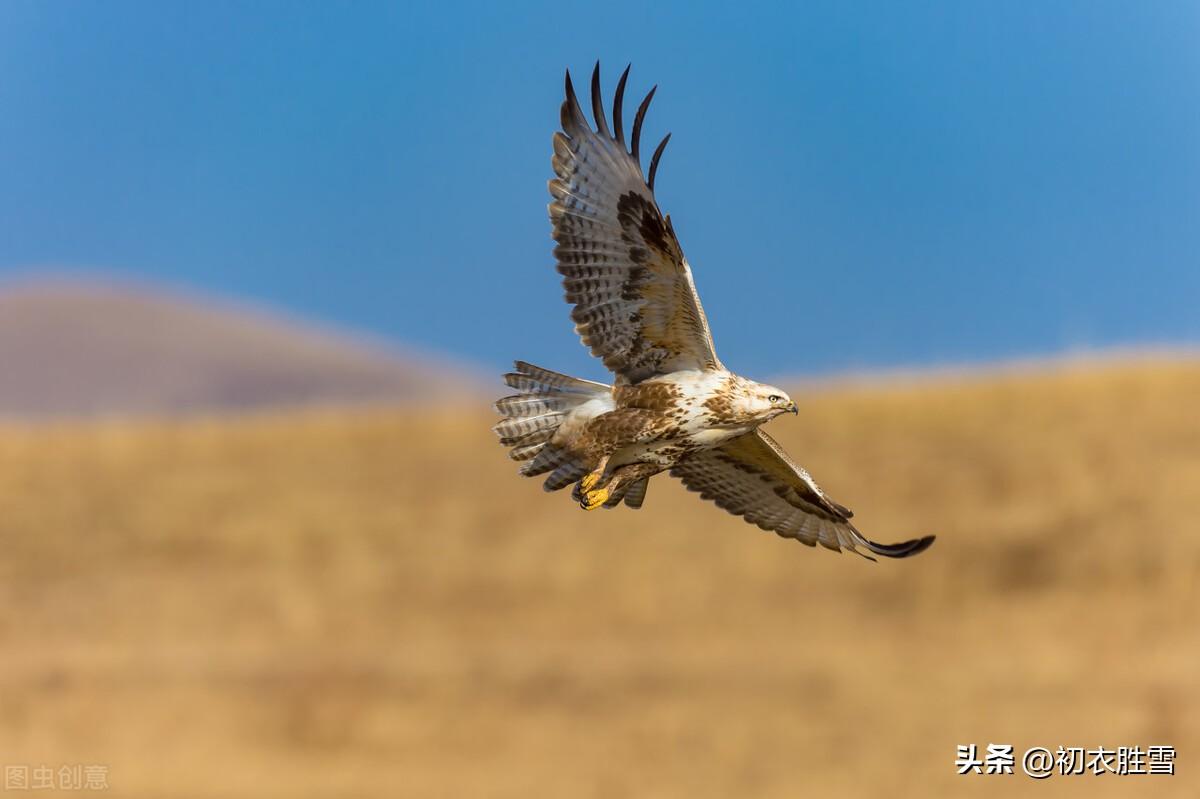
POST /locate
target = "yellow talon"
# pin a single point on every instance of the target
(594, 499)
(589, 481)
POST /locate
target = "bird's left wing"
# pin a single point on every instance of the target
(623, 269)
(752, 477)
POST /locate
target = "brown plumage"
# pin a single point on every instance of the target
(674, 406)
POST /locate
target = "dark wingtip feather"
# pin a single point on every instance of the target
(572, 114)
(598, 104)
(637, 124)
(618, 102)
(904, 549)
(654, 160)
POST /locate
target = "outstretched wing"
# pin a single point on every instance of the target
(635, 304)
(752, 477)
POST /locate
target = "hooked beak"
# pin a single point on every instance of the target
(795, 411)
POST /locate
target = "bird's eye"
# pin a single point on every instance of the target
(774, 398)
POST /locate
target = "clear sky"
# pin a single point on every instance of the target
(855, 184)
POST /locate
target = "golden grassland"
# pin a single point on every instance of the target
(373, 604)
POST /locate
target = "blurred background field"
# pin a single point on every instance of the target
(324, 603)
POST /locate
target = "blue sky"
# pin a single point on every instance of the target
(855, 184)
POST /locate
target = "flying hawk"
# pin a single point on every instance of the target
(673, 405)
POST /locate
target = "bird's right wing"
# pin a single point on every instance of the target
(623, 269)
(752, 477)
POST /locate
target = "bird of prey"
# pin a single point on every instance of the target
(673, 405)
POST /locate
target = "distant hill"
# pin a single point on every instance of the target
(70, 347)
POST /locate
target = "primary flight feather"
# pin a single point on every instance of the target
(673, 405)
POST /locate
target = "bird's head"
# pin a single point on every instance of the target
(759, 402)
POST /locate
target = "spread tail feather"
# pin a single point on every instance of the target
(533, 416)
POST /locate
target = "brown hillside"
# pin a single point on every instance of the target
(375, 605)
(83, 348)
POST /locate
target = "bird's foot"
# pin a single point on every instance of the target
(590, 481)
(591, 500)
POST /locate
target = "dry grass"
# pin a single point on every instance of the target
(375, 605)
